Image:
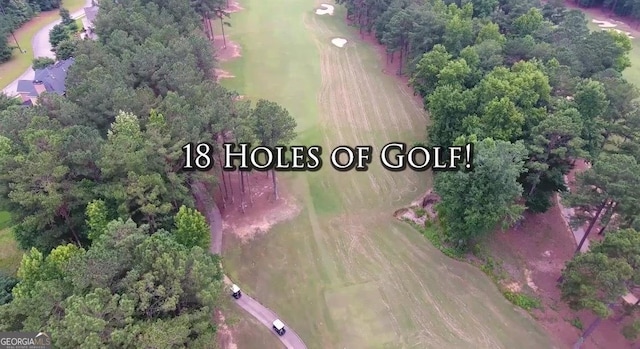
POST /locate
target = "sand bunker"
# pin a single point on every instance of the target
(606, 25)
(222, 74)
(325, 10)
(340, 42)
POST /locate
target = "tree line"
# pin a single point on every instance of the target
(94, 184)
(535, 90)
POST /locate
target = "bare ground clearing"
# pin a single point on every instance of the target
(261, 211)
(225, 49)
(529, 259)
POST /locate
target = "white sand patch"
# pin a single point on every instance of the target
(513, 287)
(325, 10)
(530, 283)
(340, 42)
(604, 24)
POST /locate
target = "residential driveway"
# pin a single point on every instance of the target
(41, 48)
(290, 339)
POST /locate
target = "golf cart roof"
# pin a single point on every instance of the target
(235, 288)
(278, 324)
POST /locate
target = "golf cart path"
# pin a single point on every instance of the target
(263, 314)
(41, 48)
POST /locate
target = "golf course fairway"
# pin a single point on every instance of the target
(344, 273)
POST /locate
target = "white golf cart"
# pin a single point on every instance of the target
(278, 326)
(235, 291)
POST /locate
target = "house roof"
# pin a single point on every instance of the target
(53, 77)
(26, 87)
(91, 13)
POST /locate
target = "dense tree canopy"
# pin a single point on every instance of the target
(511, 71)
(134, 97)
(128, 290)
(117, 255)
(474, 202)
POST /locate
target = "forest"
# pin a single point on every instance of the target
(117, 256)
(535, 90)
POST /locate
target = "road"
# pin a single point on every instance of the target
(41, 48)
(290, 339)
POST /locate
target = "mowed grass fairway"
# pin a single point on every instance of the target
(345, 273)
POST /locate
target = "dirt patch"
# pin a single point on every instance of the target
(261, 211)
(534, 254)
(233, 6)
(225, 49)
(421, 210)
(224, 335)
(223, 74)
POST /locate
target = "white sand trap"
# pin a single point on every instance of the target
(604, 24)
(340, 42)
(325, 10)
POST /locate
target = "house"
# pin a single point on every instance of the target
(50, 79)
(90, 14)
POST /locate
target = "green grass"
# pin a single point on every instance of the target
(577, 323)
(434, 234)
(19, 62)
(255, 335)
(10, 254)
(345, 272)
(522, 300)
(5, 220)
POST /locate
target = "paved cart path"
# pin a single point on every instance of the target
(263, 314)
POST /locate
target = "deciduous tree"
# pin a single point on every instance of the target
(474, 202)
(192, 228)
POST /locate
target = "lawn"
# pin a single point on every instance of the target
(10, 254)
(5, 220)
(255, 335)
(345, 273)
(12, 69)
